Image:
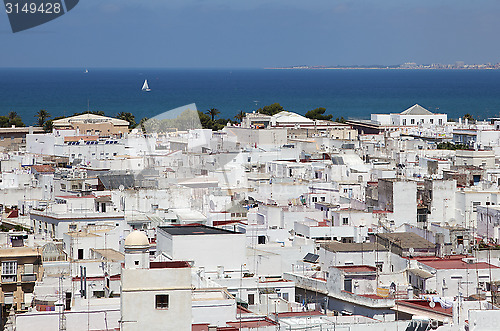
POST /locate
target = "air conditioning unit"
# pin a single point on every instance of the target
(469, 260)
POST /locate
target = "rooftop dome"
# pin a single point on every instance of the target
(136, 239)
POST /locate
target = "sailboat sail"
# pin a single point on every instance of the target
(145, 86)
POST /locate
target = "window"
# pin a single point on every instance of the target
(314, 199)
(431, 120)
(404, 121)
(323, 199)
(162, 301)
(136, 262)
(285, 296)
(80, 253)
(379, 265)
(9, 268)
(98, 294)
(345, 221)
(440, 121)
(28, 268)
(412, 121)
(72, 227)
(9, 271)
(475, 204)
(251, 299)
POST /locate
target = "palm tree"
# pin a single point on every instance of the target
(12, 115)
(129, 117)
(213, 112)
(468, 117)
(15, 120)
(239, 117)
(42, 116)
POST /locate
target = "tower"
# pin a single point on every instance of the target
(156, 295)
(136, 251)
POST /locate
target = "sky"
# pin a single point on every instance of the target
(257, 33)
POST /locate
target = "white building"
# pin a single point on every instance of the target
(154, 296)
(216, 250)
(452, 276)
(413, 116)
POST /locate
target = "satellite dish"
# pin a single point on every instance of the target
(121, 187)
(411, 250)
(432, 304)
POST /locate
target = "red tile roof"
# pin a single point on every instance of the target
(43, 168)
(243, 310)
(14, 213)
(453, 262)
(372, 296)
(78, 138)
(199, 327)
(76, 196)
(169, 265)
(299, 314)
(424, 304)
(260, 323)
(357, 268)
(112, 277)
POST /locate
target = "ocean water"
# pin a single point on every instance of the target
(352, 94)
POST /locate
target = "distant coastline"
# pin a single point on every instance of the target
(410, 65)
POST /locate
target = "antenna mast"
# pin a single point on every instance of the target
(62, 298)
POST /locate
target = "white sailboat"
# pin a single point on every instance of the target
(145, 86)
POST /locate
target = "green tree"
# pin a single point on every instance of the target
(469, 117)
(317, 114)
(129, 117)
(213, 112)
(240, 116)
(340, 120)
(271, 110)
(47, 126)
(142, 125)
(12, 119)
(94, 112)
(41, 117)
(4, 122)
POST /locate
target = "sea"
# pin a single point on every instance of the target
(352, 94)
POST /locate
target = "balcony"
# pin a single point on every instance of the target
(28, 278)
(9, 279)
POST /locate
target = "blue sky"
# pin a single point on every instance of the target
(257, 33)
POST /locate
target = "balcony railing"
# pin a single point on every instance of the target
(28, 278)
(9, 278)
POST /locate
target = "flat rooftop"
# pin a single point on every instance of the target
(357, 268)
(335, 246)
(194, 230)
(407, 240)
(19, 251)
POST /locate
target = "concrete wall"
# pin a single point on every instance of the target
(139, 288)
(208, 251)
(78, 321)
